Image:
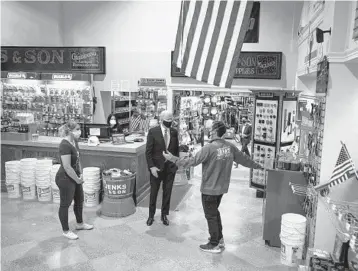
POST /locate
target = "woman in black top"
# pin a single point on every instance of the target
(69, 179)
(113, 123)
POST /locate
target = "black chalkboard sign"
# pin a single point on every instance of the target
(251, 65)
(88, 60)
(322, 76)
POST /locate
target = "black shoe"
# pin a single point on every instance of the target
(210, 248)
(165, 220)
(150, 221)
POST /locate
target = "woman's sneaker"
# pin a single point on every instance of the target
(70, 235)
(84, 226)
(221, 242)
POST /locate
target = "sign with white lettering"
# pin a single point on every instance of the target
(89, 60)
(62, 77)
(118, 188)
(252, 65)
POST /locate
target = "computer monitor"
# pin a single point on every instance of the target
(102, 131)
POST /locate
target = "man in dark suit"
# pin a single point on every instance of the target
(162, 138)
(245, 136)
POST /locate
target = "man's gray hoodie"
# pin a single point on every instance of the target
(217, 158)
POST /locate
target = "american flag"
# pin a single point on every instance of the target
(139, 124)
(344, 168)
(209, 39)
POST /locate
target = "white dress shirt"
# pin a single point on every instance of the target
(168, 134)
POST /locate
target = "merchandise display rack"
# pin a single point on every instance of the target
(152, 97)
(46, 100)
(274, 130)
(311, 158)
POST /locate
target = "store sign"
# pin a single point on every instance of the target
(251, 65)
(16, 75)
(153, 82)
(62, 77)
(53, 59)
(266, 94)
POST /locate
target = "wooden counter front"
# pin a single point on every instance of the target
(106, 155)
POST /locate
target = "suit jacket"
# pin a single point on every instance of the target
(247, 132)
(156, 146)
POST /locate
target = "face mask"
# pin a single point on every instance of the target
(167, 124)
(112, 122)
(211, 133)
(77, 134)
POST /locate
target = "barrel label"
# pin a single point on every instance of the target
(116, 189)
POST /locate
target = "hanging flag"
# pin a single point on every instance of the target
(344, 168)
(209, 39)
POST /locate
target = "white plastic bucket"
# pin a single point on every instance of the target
(91, 198)
(293, 230)
(28, 192)
(44, 194)
(292, 237)
(13, 191)
(293, 219)
(56, 195)
(291, 252)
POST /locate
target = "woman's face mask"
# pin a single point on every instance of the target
(76, 134)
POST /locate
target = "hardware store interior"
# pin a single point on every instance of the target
(116, 68)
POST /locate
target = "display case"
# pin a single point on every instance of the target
(274, 129)
(47, 100)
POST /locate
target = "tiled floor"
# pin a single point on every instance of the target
(31, 237)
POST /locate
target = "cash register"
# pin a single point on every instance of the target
(101, 131)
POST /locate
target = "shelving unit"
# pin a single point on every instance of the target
(123, 105)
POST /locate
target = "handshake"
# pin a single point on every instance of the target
(168, 156)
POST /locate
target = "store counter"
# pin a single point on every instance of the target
(106, 155)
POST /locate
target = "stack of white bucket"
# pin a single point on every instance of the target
(12, 175)
(91, 186)
(293, 235)
(28, 178)
(43, 180)
(55, 190)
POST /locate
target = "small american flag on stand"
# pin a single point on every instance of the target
(344, 168)
(209, 39)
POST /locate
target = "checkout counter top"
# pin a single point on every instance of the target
(53, 142)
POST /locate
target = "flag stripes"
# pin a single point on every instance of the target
(209, 39)
(343, 168)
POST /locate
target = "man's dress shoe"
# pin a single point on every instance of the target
(150, 221)
(165, 220)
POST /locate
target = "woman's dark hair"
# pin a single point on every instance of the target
(220, 128)
(109, 118)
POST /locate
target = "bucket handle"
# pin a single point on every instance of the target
(298, 231)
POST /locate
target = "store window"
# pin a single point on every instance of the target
(355, 25)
